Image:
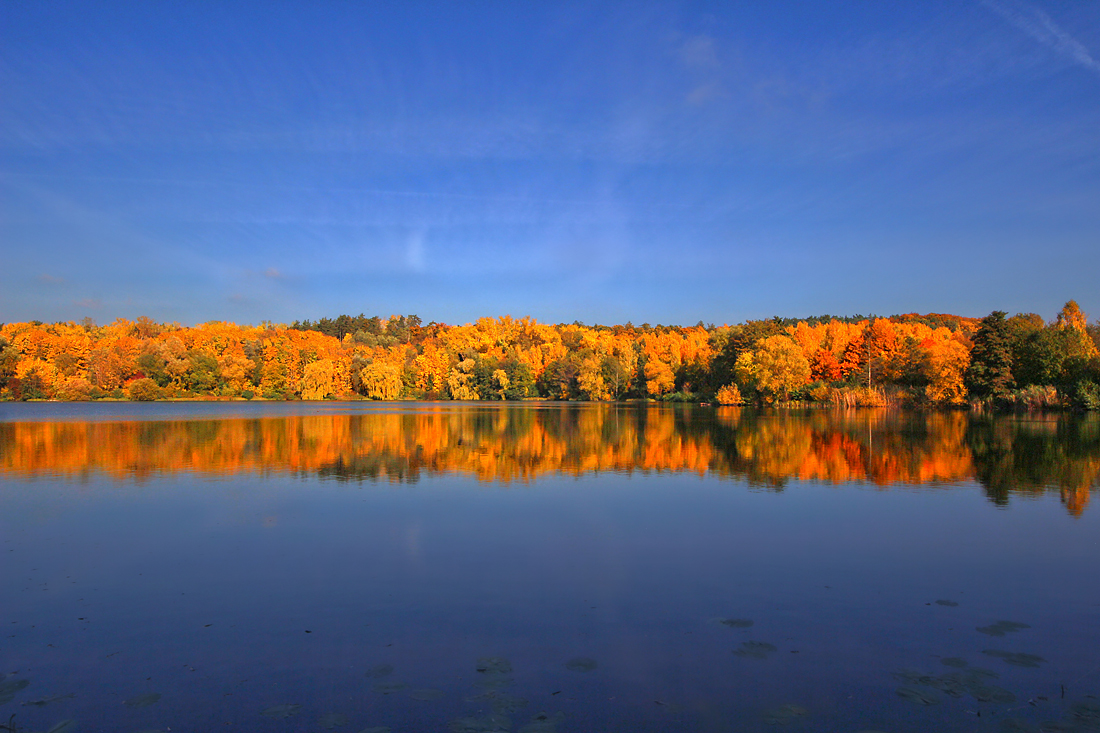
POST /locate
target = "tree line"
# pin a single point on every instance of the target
(934, 359)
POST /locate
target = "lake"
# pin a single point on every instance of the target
(544, 567)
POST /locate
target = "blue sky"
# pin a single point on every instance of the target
(602, 162)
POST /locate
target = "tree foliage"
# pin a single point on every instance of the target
(510, 359)
(990, 371)
(775, 368)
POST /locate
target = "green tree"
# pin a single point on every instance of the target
(521, 383)
(144, 390)
(203, 375)
(1041, 358)
(990, 371)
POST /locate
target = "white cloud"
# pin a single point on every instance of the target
(1041, 27)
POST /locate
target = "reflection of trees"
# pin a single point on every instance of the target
(1006, 455)
(1037, 454)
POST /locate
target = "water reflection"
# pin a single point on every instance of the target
(1007, 455)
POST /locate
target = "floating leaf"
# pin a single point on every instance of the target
(494, 665)
(1087, 713)
(755, 650)
(65, 726)
(142, 701)
(543, 723)
(785, 714)
(388, 688)
(501, 702)
(281, 711)
(581, 664)
(949, 604)
(1018, 659)
(380, 671)
(736, 623)
(329, 721)
(946, 684)
(483, 724)
(9, 687)
(426, 694)
(920, 697)
(47, 700)
(493, 681)
(915, 678)
(1001, 628)
(991, 693)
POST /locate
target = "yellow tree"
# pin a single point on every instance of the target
(381, 381)
(776, 367)
(945, 363)
(460, 382)
(590, 378)
(318, 380)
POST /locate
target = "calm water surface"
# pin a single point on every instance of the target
(315, 566)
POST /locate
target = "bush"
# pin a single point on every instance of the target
(728, 395)
(818, 392)
(1086, 395)
(860, 397)
(1035, 398)
(74, 389)
(144, 390)
(248, 394)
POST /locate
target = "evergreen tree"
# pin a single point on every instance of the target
(990, 372)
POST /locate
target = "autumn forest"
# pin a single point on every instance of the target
(935, 360)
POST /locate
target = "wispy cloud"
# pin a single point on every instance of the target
(1041, 27)
(698, 52)
(50, 279)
